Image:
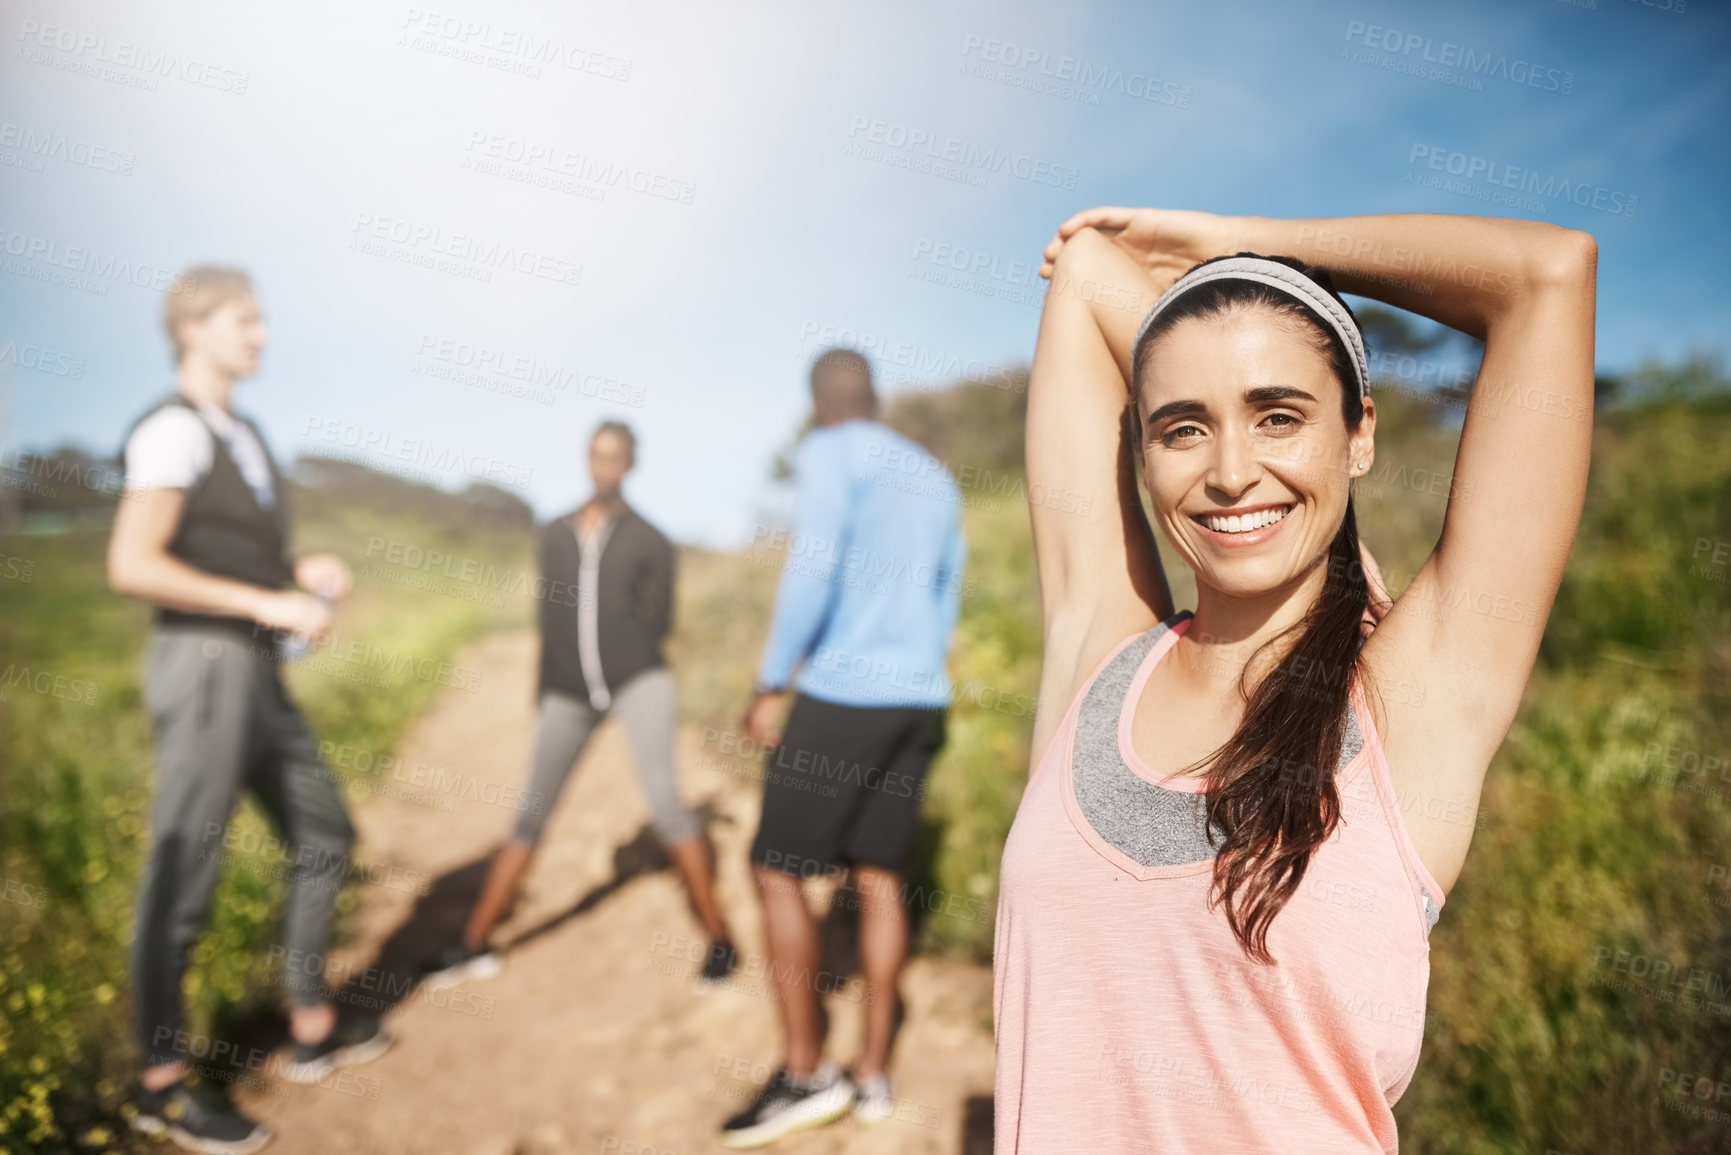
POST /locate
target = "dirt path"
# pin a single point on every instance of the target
(592, 1040)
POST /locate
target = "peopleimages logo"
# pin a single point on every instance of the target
(98, 56)
(93, 268)
(46, 145)
(1412, 49)
(1519, 180)
(453, 355)
(41, 359)
(363, 443)
(552, 160)
(870, 137)
(420, 243)
(920, 364)
(496, 45)
(1066, 77)
(975, 262)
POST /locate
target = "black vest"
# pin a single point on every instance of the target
(226, 532)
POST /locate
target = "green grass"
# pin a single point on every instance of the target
(1593, 844)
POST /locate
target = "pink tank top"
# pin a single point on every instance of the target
(1129, 1019)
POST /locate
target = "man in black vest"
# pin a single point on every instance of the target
(202, 534)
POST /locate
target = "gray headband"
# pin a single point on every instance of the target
(1278, 276)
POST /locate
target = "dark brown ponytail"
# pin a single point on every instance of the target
(1271, 786)
(1271, 789)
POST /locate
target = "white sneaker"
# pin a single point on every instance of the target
(789, 1104)
(459, 963)
(875, 1100)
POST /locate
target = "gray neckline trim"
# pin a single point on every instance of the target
(1148, 824)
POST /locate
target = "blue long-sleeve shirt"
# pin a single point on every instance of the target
(873, 578)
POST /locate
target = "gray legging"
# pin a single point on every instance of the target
(645, 706)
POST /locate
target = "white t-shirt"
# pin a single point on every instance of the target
(172, 449)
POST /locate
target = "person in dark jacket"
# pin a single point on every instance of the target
(202, 535)
(606, 610)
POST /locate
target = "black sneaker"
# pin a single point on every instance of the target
(350, 1043)
(196, 1118)
(717, 965)
(459, 963)
(788, 1104)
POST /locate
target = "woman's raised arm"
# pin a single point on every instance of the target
(1478, 605)
(1100, 573)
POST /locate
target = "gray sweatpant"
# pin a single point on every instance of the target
(646, 707)
(225, 725)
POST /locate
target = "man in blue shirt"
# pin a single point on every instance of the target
(869, 596)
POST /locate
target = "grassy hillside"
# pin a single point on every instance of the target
(1581, 987)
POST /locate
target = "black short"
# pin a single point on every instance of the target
(845, 786)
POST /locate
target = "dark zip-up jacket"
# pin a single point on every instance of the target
(634, 596)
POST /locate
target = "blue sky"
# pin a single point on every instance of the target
(661, 212)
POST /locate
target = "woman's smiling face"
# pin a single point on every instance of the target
(1244, 451)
